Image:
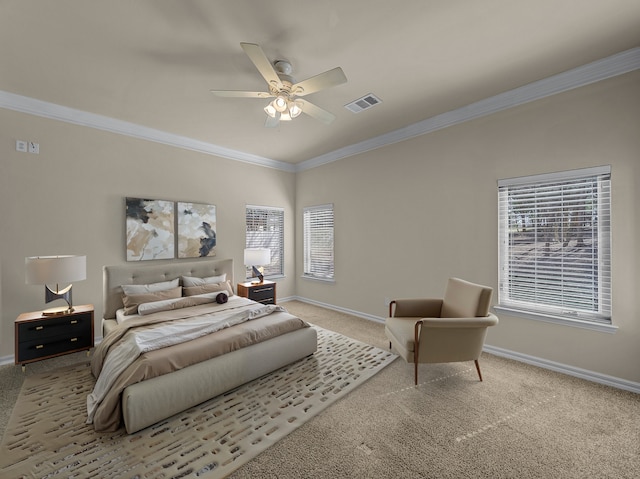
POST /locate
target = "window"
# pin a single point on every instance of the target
(318, 242)
(555, 245)
(265, 229)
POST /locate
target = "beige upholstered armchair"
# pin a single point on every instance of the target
(442, 330)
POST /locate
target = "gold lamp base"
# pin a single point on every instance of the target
(57, 311)
(51, 295)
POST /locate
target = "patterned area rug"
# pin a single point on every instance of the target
(47, 436)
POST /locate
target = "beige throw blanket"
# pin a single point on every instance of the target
(166, 328)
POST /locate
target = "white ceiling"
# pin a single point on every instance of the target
(153, 62)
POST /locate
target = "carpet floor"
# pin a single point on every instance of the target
(47, 435)
(520, 422)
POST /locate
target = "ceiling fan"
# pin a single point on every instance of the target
(285, 92)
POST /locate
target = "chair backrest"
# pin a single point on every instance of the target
(463, 299)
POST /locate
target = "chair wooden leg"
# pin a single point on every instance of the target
(478, 369)
(416, 348)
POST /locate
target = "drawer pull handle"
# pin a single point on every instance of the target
(74, 339)
(38, 328)
(263, 289)
(74, 321)
(40, 346)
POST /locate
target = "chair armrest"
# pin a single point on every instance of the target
(481, 322)
(416, 308)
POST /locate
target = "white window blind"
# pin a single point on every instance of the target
(555, 244)
(265, 229)
(318, 242)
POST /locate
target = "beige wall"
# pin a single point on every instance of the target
(410, 215)
(69, 199)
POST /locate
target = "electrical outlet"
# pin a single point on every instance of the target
(21, 145)
(34, 147)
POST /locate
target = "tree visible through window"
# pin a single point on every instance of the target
(555, 245)
(318, 242)
(265, 229)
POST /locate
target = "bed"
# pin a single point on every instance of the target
(159, 395)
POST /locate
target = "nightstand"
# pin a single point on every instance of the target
(42, 337)
(264, 292)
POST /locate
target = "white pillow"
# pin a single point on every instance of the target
(177, 303)
(189, 281)
(130, 289)
(156, 306)
(121, 317)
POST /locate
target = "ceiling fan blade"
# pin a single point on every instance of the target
(262, 63)
(324, 80)
(241, 94)
(316, 112)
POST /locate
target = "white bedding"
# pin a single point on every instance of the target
(210, 317)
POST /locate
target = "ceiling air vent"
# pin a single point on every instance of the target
(363, 103)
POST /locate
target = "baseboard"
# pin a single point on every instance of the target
(6, 360)
(505, 353)
(565, 369)
(370, 317)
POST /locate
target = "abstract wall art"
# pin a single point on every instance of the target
(196, 230)
(150, 227)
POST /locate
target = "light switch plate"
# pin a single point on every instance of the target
(21, 145)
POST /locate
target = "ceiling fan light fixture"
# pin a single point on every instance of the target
(280, 103)
(270, 110)
(285, 116)
(295, 108)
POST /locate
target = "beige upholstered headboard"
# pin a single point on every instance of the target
(144, 273)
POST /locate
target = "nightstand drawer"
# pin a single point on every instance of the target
(50, 327)
(262, 294)
(52, 346)
(39, 337)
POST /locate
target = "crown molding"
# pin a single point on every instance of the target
(44, 109)
(599, 70)
(609, 67)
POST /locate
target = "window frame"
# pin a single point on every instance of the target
(318, 226)
(542, 195)
(255, 238)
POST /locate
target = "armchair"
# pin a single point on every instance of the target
(444, 330)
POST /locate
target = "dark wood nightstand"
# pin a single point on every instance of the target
(264, 292)
(41, 337)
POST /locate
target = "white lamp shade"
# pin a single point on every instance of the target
(55, 269)
(257, 256)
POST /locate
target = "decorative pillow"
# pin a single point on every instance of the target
(171, 304)
(132, 301)
(208, 288)
(150, 288)
(121, 317)
(222, 297)
(189, 281)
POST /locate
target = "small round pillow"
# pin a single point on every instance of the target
(222, 298)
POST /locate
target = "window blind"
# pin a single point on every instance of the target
(318, 241)
(555, 244)
(265, 229)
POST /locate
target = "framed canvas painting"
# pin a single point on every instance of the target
(196, 230)
(150, 229)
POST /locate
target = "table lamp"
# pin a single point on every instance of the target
(257, 258)
(58, 270)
